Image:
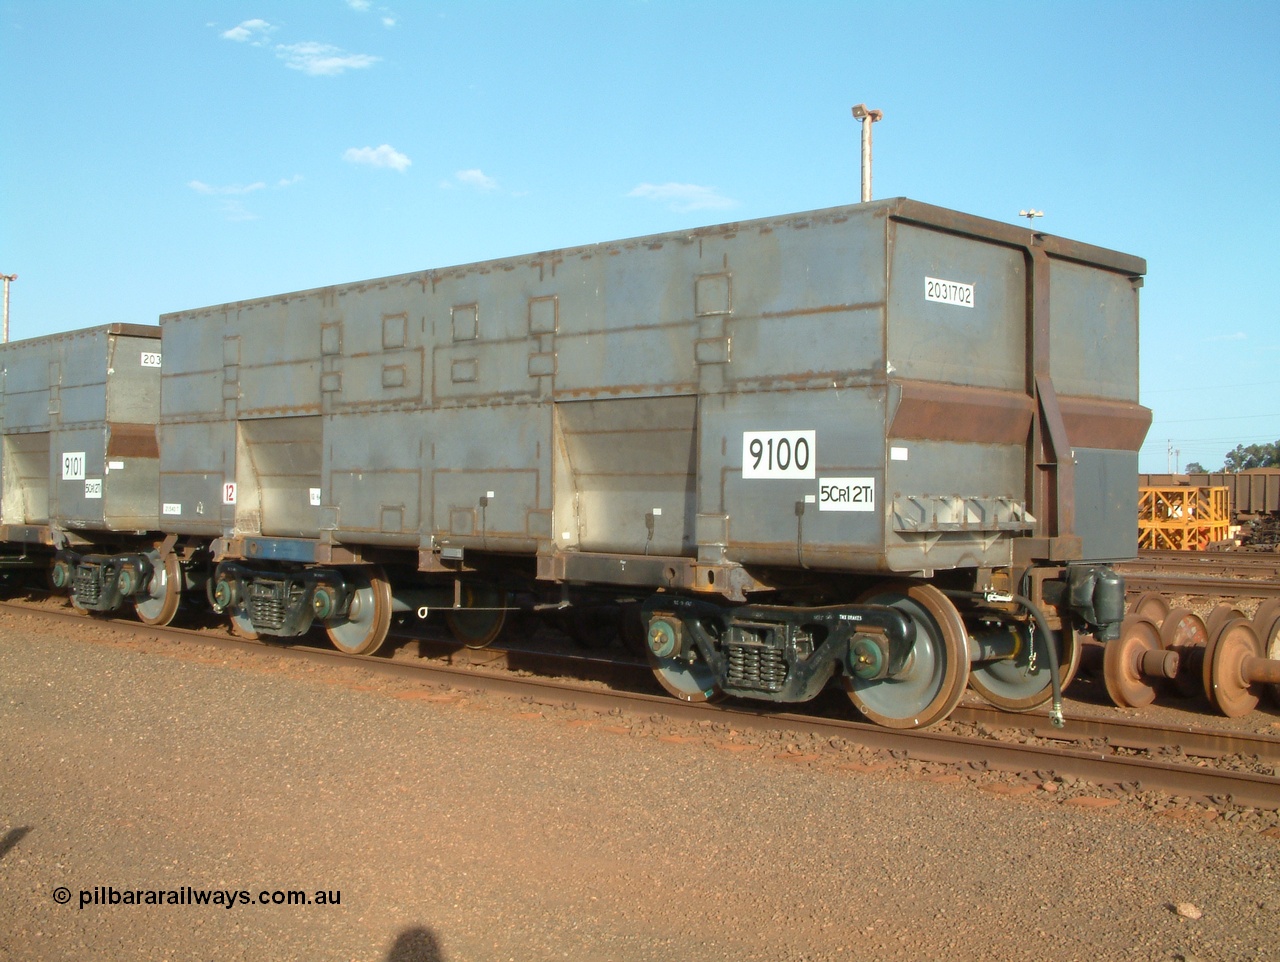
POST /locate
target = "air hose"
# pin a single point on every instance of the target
(1055, 672)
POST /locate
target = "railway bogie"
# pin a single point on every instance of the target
(877, 446)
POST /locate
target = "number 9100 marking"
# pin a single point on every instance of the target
(779, 454)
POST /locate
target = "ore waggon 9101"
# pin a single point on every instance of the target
(889, 445)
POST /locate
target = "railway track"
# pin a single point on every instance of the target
(1225, 768)
(1223, 574)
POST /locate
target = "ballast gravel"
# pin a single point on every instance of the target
(440, 825)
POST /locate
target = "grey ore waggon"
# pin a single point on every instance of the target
(887, 445)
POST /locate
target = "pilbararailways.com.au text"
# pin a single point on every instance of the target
(106, 895)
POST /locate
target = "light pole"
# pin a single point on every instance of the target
(7, 278)
(868, 117)
(1031, 214)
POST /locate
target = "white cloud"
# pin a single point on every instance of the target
(239, 190)
(384, 156)
(684, 197)
(200, 187)
(476, 179)
(229, 202)
(1237, 336)
(250, 31)
(386, 14)
(322, 59)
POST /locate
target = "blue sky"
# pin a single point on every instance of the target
(158, 156)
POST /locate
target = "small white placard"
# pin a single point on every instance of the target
(115, 465)
(315, 497)
(73, 466)
(897, 454)
(93, 488)
(779, 454)
(150, 358)
(847, 494)
(229, 493)
(172, 508)
(948, 292)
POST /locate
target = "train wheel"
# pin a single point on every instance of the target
(1220, 615)
(365, 627)
(689, 682)
(163, 595)
(1011, 685)
(242, 624)
(1266, 622)
(1128, 684)
(1224, 656)
(1152, 604)
(1185, 632)
(937, 670)
(480, 627)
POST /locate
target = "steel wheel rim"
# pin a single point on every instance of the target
(163, 596)
(364, 634)
(479, 628)
(935, 680)
(694, 682)
(1266, 622)
(1007, 685)
(1228, 647)
(1152, 604)
(1127, 687)
(1185, 632)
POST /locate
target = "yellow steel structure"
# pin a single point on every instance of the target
(1182, 518)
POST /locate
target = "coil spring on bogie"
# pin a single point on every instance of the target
(88, 585)
(756, 666)
(269, 604)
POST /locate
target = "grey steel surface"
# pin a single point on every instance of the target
(79, 446)
(602, 398)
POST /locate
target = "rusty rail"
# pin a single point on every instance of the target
(1101, 767)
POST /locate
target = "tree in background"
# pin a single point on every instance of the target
(1254, 456)
(1243, 458)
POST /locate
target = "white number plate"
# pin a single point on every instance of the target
(168, 508)
(73, 466)
(779, 454)
(150, 358)
(93, 488)
(847, 494)
(948, 292)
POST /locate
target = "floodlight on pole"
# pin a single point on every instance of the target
(7, 278)
(867, 117)
(1031, 214)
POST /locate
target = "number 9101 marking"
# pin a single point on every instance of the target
(779, 454)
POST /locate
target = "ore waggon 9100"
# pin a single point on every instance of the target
(887, 444)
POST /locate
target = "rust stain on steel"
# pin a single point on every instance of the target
(1097, 423)
(135, 330)
(825, 309)
(947, 412)
(132, 441)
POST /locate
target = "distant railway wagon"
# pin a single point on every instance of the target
(889, 445)
(1253, 500)
(1253, 494)
(81, 467)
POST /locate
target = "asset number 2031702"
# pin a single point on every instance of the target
(779, 454)
(948, 292)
